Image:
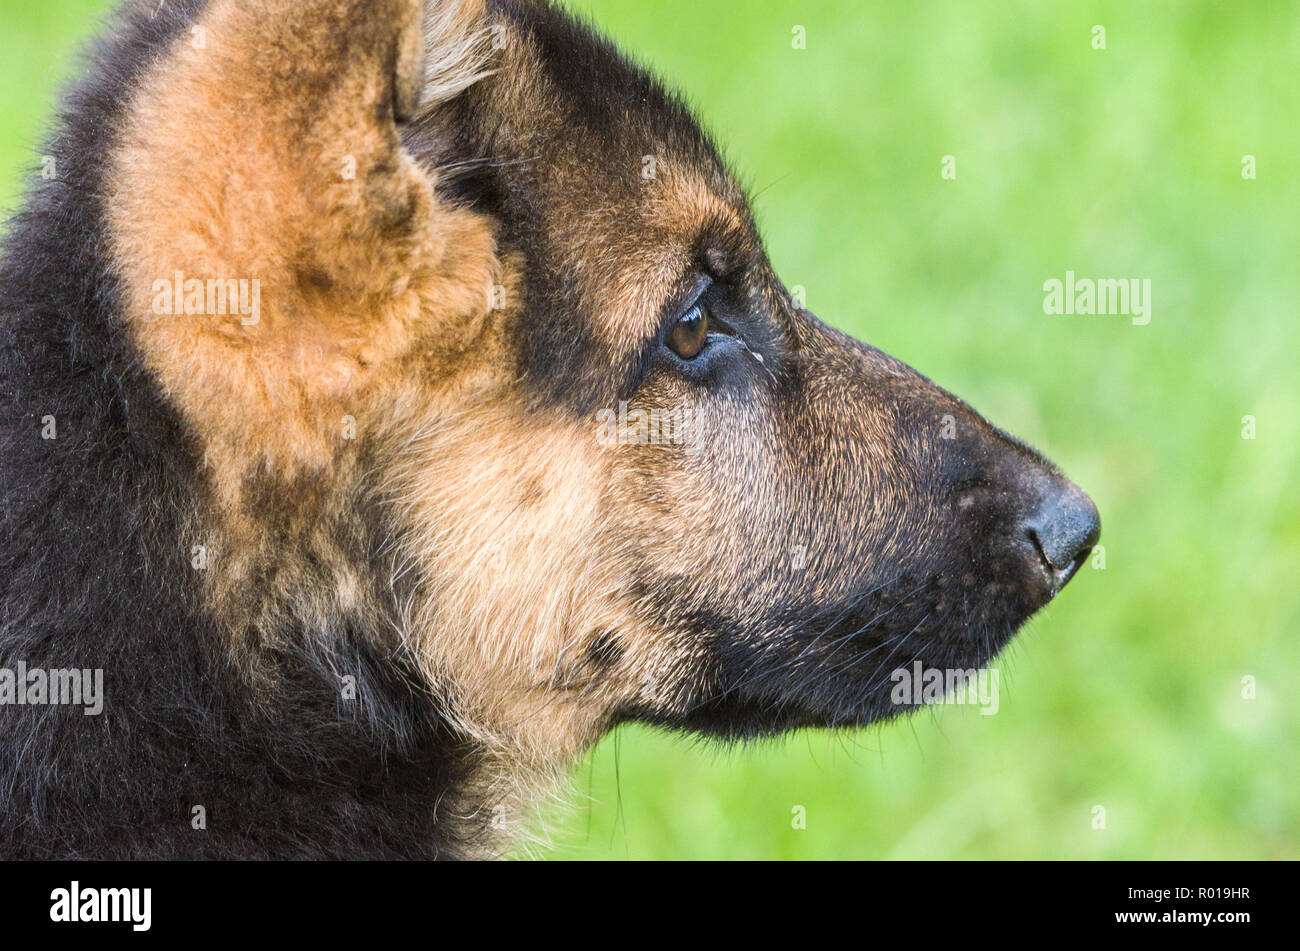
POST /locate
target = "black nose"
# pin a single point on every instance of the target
(1063, 528)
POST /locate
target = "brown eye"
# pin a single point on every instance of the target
(688, 335)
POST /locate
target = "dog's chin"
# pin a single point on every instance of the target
(827, 679)
(852, 662)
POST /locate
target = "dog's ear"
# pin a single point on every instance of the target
(279, 251)
(458, 37)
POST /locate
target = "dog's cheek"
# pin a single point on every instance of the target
(500, 517)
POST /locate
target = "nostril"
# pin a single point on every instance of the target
(1064, 528)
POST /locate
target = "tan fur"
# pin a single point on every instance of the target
(521, 571)
(354, 267)
(375, 307)
(236, 164)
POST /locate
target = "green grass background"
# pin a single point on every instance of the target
(1126, 162)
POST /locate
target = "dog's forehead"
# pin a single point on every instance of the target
(636, 256)
(603, 176)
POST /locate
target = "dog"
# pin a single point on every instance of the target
(397, 397)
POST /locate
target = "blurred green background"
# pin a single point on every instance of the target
(1122, 162)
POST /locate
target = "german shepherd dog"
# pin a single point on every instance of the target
(397, 397)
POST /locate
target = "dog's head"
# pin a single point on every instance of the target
(638, 481)
(669, 492)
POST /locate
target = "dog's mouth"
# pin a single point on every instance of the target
(840, 665)
(834, 662)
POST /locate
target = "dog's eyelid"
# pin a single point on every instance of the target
(699, 284)
(691, 291)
